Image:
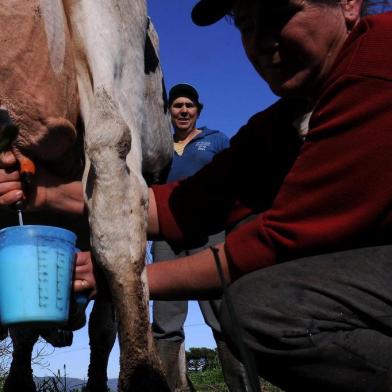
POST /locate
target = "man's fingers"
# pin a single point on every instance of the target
(7, 159)
(9, 198)
(83, 262)
(80, 285)
(84, 279)
(84, 273)
(85, 285)
(9, 186)
(9, 174)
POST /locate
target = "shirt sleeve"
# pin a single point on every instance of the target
(338, 193)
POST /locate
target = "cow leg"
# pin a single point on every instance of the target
(109, 56)
(102, 330)
(20, 376)
(117, 199)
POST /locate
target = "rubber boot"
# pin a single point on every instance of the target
(184, 384)
(233, 370)
(169, 355)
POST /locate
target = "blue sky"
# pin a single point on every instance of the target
(212, 59)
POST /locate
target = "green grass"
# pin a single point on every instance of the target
(267, 387)
(212, 381)
(208, 380)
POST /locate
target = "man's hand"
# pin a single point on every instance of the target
(10, 182)
(84, 278)
(12, 188)
(45, 192)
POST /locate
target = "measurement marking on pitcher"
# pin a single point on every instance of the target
(43, 272)
(60, 265)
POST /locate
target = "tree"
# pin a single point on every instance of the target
(201, 358)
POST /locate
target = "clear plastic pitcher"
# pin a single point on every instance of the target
(36, 266)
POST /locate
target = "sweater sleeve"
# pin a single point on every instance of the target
(338, 193)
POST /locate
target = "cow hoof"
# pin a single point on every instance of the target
(96, 388)
(17, 383)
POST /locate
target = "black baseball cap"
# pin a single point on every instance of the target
(207, 12)
(185, 90)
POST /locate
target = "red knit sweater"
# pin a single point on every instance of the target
(332, 193)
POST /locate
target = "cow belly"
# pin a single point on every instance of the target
(37, 76)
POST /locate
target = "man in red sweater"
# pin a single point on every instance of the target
(316, 168)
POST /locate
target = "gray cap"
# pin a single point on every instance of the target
(207, 12)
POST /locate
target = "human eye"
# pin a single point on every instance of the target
(245, 25)
(278, 17)
(283, 14)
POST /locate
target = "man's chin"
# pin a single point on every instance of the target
(183, 129)
(301, 84)
(288, 90)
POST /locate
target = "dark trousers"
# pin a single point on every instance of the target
(169, 316)
(322, 323)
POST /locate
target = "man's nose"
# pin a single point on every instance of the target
(262, 44)
(267, 42)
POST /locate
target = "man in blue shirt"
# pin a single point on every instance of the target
(193, 148)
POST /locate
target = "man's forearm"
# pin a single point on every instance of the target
(191, 277)
(66, 197)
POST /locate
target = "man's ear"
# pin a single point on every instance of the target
(351, 11)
